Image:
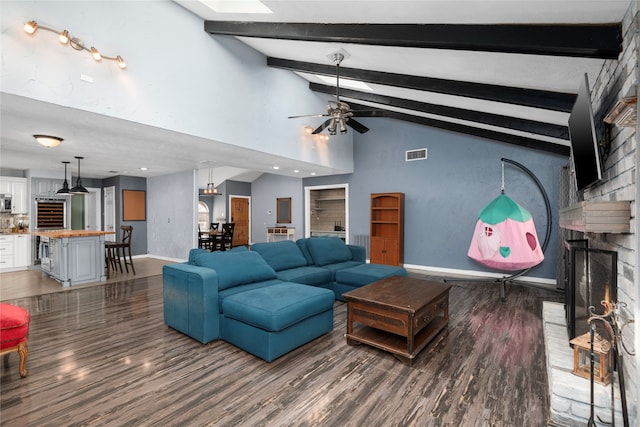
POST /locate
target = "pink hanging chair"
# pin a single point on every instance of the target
(505, 237)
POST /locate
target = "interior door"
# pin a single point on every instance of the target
(240, 216)
(92, 210)
(109, 213)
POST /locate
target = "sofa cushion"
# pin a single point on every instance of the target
(277, 307)
(193, 253)
(243, 288)
(328, 250)
(236, 268)
(308, 275)
(367, 273)
(304, 248)
(332, 268)
(281, 255)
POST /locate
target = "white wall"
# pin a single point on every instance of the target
(178, 77)
(172, 215)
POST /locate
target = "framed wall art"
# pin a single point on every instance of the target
(134, 205)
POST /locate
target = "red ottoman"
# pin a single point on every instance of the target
(14, 327)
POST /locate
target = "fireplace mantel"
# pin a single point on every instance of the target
(597, 217)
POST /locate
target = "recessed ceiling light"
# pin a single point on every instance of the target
(313, 173)
(144, 169)
(244, 6)
(276, 167)
(296, 171)
(353, 84)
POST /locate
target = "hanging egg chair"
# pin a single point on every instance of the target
(505, 236)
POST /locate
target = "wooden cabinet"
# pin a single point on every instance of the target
(387, 229)
(275, 234)
(17, 187)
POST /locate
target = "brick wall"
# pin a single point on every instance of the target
(616, 80)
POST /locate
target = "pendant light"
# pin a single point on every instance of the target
(64, 191)
(211, 189)
(79, 189)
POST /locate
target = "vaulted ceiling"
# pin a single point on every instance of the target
(483, 68)
(503, 70)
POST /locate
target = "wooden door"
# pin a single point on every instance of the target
(240, 216)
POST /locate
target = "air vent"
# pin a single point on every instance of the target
(419, 154)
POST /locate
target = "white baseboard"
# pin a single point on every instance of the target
(164, 258)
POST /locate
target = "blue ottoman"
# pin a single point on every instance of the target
(364, 274)
(271, 321)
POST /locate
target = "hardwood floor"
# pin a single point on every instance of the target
(101, 355)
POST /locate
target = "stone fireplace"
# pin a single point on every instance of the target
(589, 276)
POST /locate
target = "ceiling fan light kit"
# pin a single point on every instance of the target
(339, 113)
(65, 38)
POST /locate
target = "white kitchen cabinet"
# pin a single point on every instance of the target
(22, 250)
(15, 252)
(17, 187)
(7, 244)
(46, 187)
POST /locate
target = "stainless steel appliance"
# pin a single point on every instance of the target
(5, 202)
(51, 214)
(44, 253)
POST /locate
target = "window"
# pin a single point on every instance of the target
(203, 216)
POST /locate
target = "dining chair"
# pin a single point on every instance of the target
(205, 241)
(227, 236)
(215, 226)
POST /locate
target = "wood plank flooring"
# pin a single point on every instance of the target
(102, 356)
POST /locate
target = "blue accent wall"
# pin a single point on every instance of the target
(139, 233)
(444, 194)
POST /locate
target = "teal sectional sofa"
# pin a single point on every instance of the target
(268, 300)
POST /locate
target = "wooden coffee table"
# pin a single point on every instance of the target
(398, 314)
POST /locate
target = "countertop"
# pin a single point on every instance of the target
(59, 234)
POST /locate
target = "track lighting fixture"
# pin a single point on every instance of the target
(65, 38)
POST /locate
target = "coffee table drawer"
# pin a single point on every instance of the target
(430, 311)
(379, 318)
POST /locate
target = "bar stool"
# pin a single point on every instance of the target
(14, 327)
(114, 249)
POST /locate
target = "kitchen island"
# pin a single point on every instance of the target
(73, 257)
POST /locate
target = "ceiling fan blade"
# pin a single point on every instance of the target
(308, 115)
(321, 127)
(357, 126)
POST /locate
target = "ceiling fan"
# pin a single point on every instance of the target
(339, 113)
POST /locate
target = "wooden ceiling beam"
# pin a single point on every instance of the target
(530, 143)
(515, 123)
(575, 40)
(548, 100)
